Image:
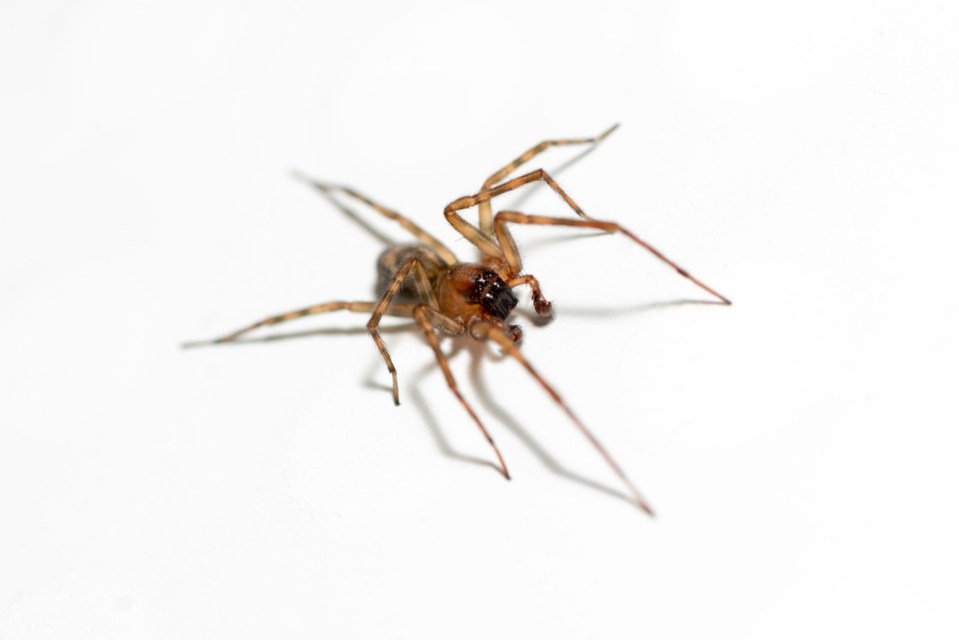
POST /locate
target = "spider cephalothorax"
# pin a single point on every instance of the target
(427, 282)
(469, 290)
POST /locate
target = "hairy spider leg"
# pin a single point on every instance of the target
(428, 316)
(506, 249)
(425, 291)
(482, 241)
(512, 254)
(428, 319)
(403, 310)
(485, 209)
(421, 234)
(506, 343)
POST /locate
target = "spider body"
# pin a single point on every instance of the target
(427, 282)
(465, 292)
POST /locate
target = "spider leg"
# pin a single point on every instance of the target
(425, 291)
(483, 241)
(485, 209)
(421, 234)
(501, 338)
(512, 255)
(428, 318)
(405, 310)
(543, 306)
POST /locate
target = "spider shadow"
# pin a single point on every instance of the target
(436, 431)
(534, 188)
(414, 392)
(294, 335)
(384, 239)
(373, 372)
(643, 307)
(349, 212)
(478, 352)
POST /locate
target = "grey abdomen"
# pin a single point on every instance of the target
(393, 258)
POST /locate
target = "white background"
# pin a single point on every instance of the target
(800, 446)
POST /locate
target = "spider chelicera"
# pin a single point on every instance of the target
(427, 282)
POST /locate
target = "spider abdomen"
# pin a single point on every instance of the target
(393, 258)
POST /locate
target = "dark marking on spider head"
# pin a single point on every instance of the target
(491, 293)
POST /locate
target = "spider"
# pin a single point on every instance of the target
(427, 282)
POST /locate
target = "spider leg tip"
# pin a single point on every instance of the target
(296, 174)
(607, 132)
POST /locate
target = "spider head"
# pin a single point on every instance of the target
(492, 294)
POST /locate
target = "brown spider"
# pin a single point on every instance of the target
(427, 282)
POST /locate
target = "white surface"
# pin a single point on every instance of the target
(800, 447)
